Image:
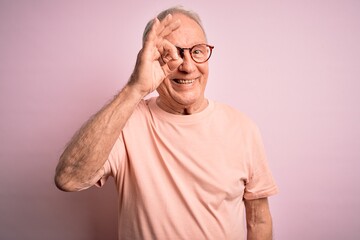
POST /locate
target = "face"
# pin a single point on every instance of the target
(183, 90)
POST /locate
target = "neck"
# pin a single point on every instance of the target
(179, 109)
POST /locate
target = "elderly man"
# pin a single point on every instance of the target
(186, 167)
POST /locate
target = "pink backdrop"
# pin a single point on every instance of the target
(293, 66)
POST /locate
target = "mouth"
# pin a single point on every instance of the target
(184, 81)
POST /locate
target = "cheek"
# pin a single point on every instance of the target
(164, 86)
(204, 70)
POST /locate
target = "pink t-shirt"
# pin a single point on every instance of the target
(185, 177)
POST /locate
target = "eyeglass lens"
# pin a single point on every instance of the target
(199, 53)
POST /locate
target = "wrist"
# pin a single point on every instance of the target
(134, 91)
(136, 87)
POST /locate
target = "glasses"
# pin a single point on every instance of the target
(200, 53)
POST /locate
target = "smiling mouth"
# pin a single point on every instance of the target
(183, 81)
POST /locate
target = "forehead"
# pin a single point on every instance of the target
(188, 34)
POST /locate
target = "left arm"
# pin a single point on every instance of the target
(258, 219)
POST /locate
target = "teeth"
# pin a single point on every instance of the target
(182, 81)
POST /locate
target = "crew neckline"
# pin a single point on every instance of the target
(170, 117)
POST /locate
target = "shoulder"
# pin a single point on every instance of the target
(143, 107)
(232, 115)
(140, 116)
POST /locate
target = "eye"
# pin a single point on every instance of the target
(180, 52)
(198, 51)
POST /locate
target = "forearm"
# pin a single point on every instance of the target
(90, 147)
(262, 231)
(258, 219)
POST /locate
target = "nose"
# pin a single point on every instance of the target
(188, 65)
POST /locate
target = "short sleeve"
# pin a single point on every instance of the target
(260, 183)
(112, 166)
(115, 164)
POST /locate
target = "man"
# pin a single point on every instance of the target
(185, 167)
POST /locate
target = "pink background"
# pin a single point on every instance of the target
(293, 66)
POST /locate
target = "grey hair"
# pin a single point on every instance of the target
(178, 9)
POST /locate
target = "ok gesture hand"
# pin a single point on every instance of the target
(158, 57)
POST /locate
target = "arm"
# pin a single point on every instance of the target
(81, 162)
(258, 219)
(91, 145)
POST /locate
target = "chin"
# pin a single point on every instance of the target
(188, 99)
(181, 95)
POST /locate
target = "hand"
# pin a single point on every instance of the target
(158, 57)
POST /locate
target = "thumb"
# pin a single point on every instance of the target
(172, 65)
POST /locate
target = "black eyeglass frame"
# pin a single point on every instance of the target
(182, 50)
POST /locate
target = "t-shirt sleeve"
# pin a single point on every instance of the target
(112, 166)
(260, 183)
(115, 164)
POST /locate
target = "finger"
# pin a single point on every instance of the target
(151, 35)
(167, 26)
(160, 30)
(169, 60)
(171, 65)
(174, 64)
(163, 23)
(171, 27)
(167, 51)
